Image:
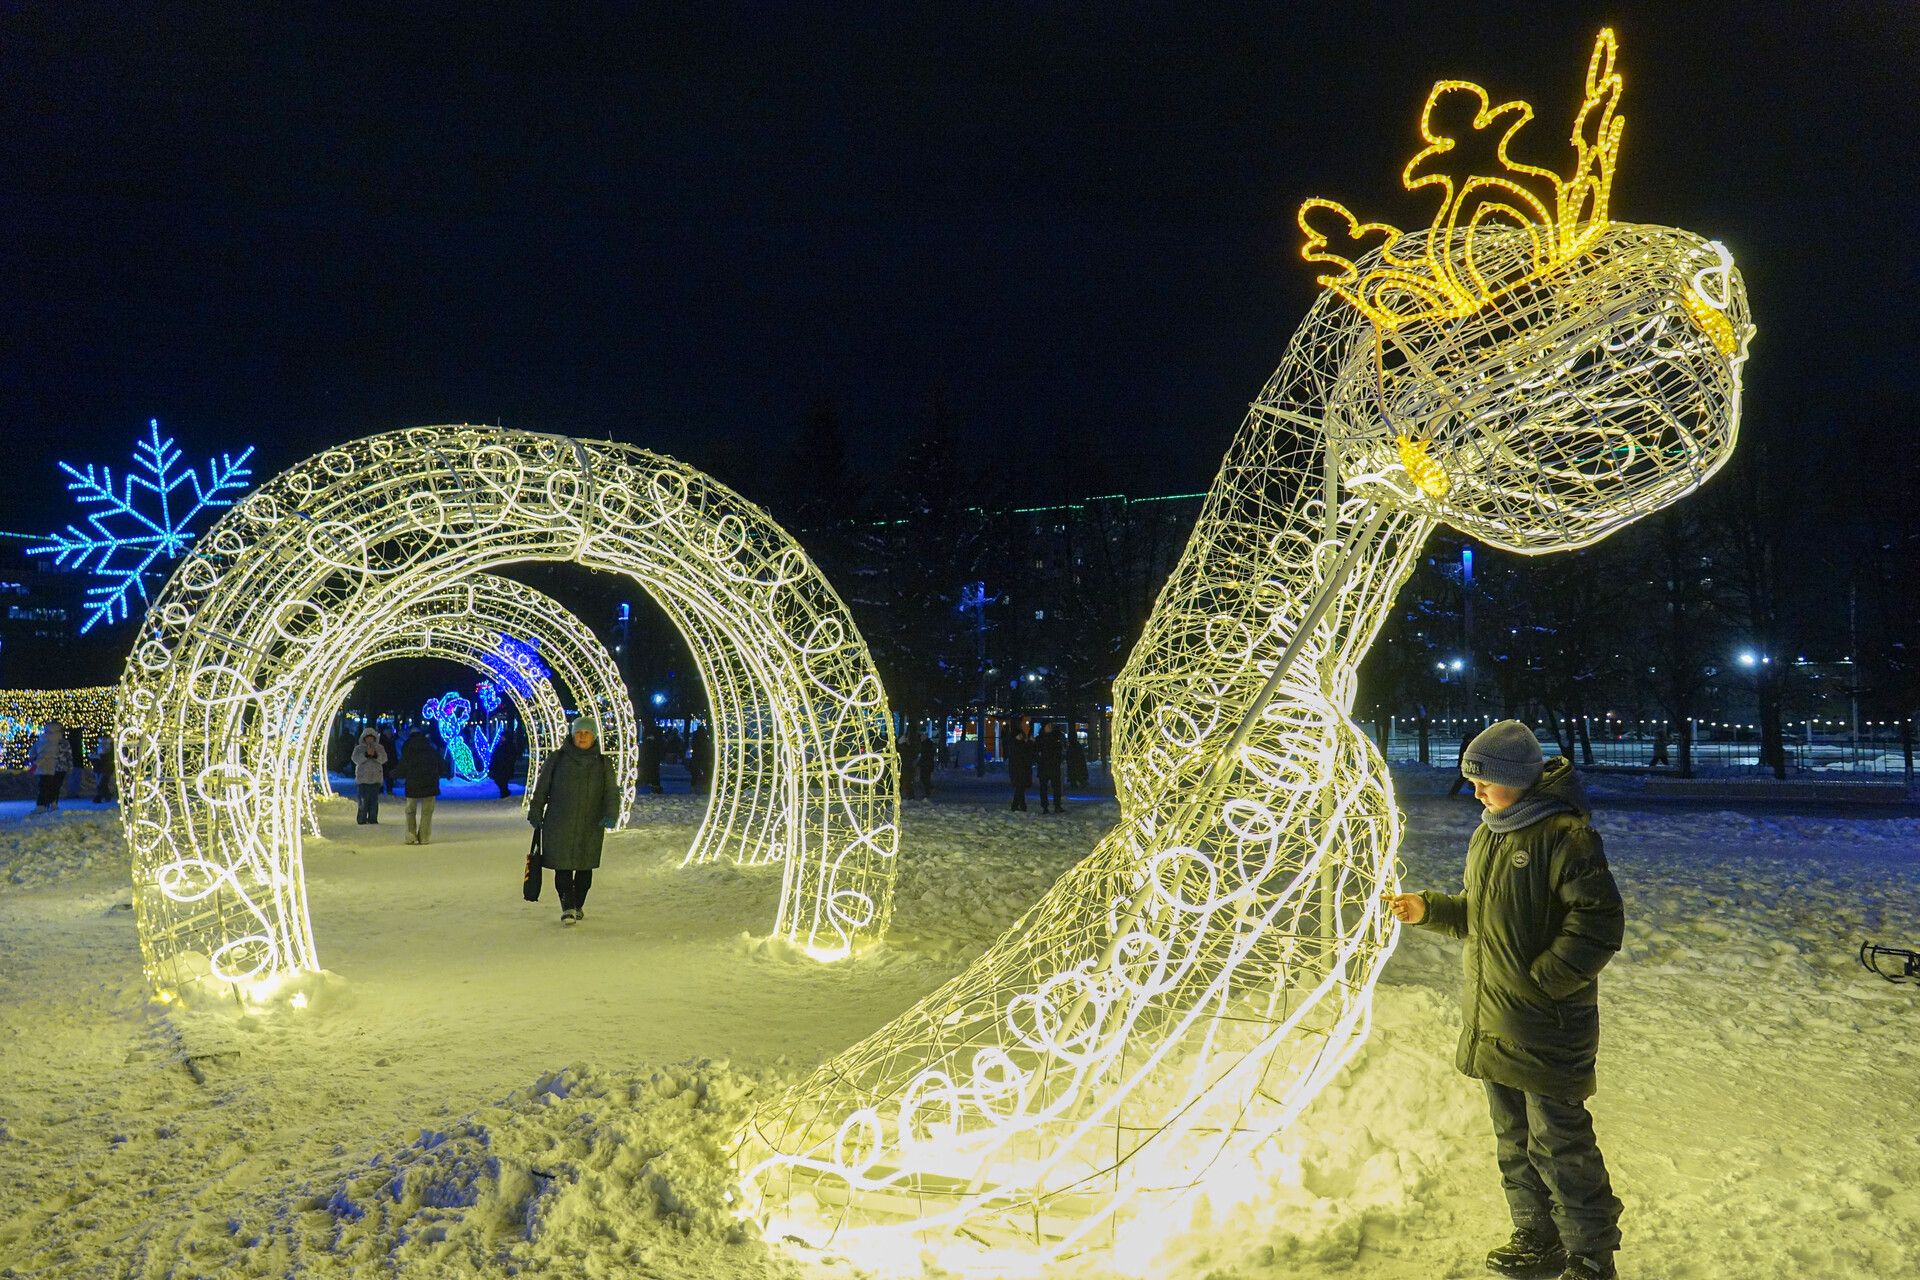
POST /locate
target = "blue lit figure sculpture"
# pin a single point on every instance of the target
(489, 695)
(140, 522)
(452, 712)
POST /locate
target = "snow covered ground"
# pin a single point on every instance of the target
(483, 1093)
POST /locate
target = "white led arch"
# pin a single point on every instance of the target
(247, 633)
(1183, 993)
(464, 622)
(540, 711)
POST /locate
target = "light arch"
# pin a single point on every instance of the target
(248, 630)
(465, 622)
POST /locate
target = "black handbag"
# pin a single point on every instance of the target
(530, 883)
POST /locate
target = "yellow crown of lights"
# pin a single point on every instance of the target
(1560, 216)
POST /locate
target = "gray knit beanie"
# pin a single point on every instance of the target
(587, 724)
(1505, 753)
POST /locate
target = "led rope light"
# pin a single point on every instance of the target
(249, 631)
(1531, 374)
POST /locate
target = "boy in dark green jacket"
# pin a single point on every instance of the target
(1541, 916)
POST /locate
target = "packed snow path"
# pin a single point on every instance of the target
(483, 1093)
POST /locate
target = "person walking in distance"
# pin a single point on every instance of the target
(52, 761)
(505, 762)
(369, 776)
(576, 801)
(420, 761)
(1459, 766)
(927, 755)
(1049, 758)
(391, 770)
(103, 762)
(907, 753)
(1541, 916)
(650, 752)
(1076, 758)
(700, 759)
(1020, 766)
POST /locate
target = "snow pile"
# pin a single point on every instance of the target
(585, 1172)
(41, 848)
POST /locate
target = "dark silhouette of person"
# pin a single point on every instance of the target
(1076, 759)
(1661, 741)
(390, 769)
(1459, 762)
(907, 748)
(700, 759)
(928, 754)
(575, 802)
(1049, 758)
(505, 762)
(1020, 766)
(651, 747)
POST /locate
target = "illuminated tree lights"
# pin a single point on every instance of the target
(133, 527)
(250, 631)
(1184, 992)
(24, 714)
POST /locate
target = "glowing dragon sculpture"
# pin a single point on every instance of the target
(1525, 370)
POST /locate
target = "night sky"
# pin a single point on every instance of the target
(291, 225)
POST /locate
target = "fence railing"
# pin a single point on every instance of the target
(1874, 756)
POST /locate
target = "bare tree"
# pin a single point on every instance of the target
(1679, 671)
(1747, 533)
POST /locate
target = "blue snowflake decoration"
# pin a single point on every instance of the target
(135, 526)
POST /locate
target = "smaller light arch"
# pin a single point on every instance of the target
(465, 621)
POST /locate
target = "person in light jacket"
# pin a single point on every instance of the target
(53, 761)
(575, 803)
(369, 776)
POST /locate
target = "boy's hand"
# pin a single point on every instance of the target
(1408, 908)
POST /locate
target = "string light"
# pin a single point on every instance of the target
(24, 714)
(478, 621)
(1180, 995)
(251, 628)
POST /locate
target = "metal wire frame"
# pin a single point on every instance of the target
(1180, 995)
(466, 622)
(249, 629)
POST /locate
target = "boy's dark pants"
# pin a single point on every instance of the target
(1551, 1170)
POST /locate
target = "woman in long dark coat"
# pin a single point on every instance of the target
(575, 803)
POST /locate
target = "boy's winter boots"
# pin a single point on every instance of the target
(1530, 1253)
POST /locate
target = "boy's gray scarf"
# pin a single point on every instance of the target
(1526, 811)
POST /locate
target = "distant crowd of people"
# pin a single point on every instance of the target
(51, 762)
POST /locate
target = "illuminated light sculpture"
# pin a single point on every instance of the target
(476, 621)
(255, 622)
(487, 694)
(135, 526)
(1183, 993)
(24, 714)
(451, 714)
(517, 662)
